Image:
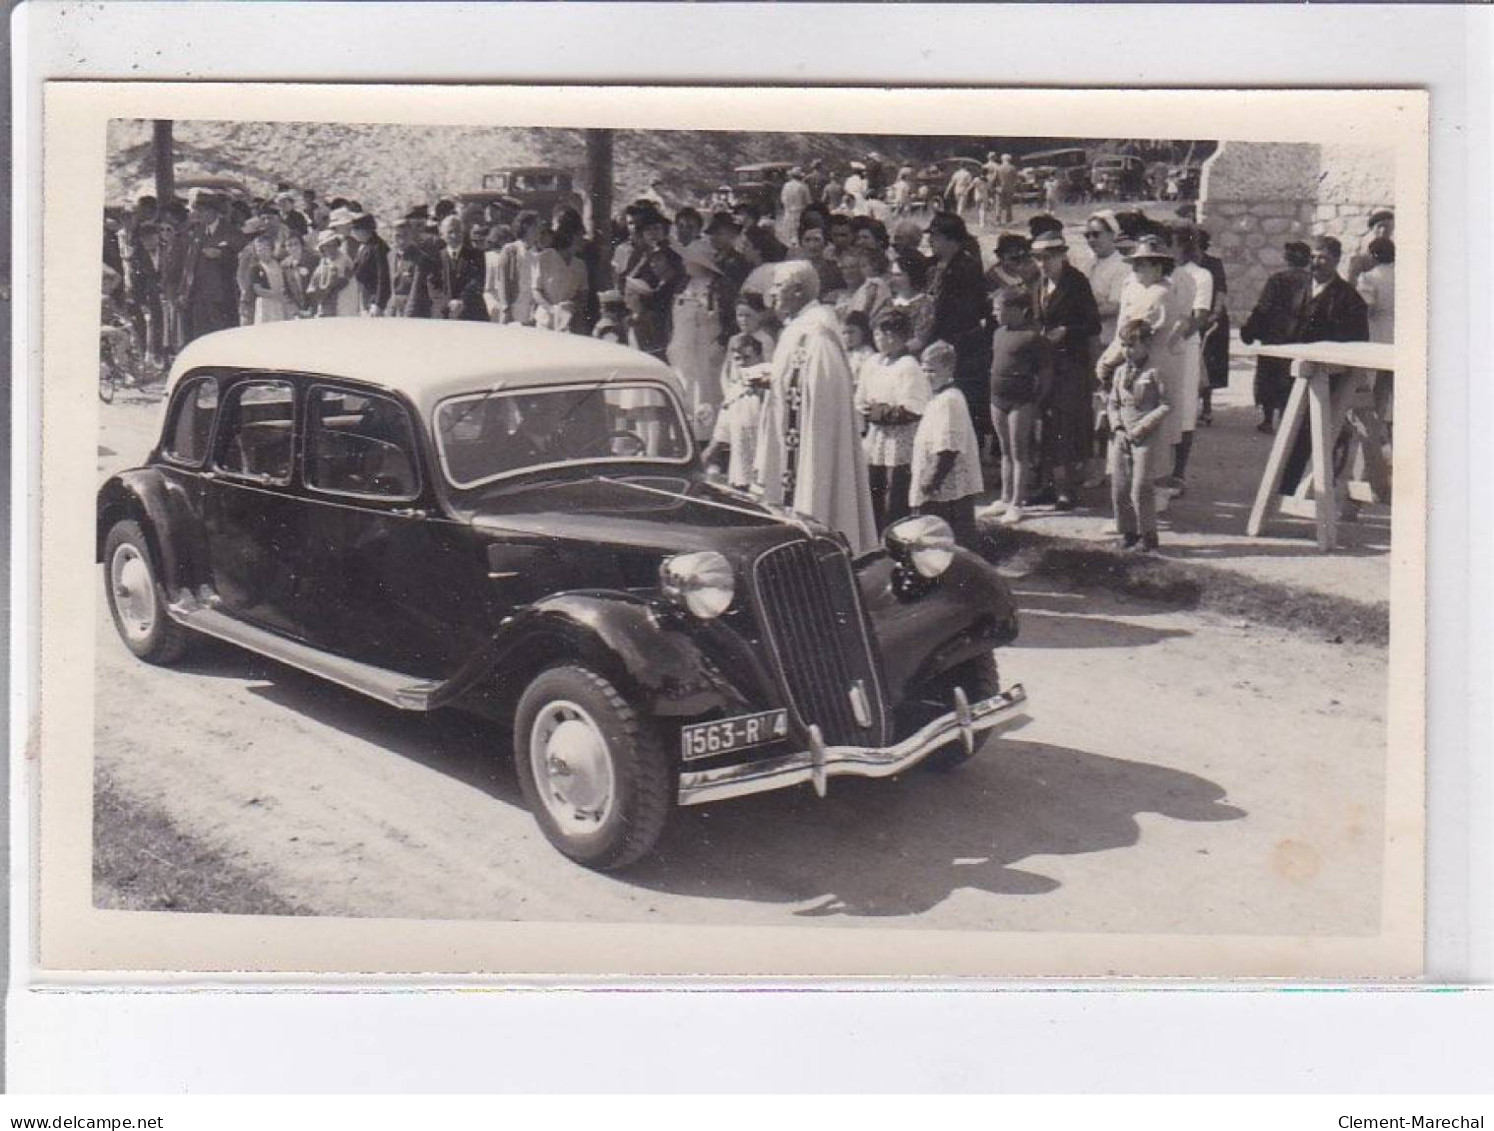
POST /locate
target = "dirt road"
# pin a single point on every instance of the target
(1176, 775)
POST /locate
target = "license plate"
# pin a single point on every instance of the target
(702, 740)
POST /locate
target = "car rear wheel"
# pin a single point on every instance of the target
(594, 775)
(137, 602)
(980, 680)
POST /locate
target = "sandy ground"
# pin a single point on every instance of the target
(1176, 774)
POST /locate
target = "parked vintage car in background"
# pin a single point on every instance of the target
(513, 521)
(539, 187)
(1070, 165)
(1118, 178)
(761, 185)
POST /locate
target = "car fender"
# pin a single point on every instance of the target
(925, 629)
(160, 507)
(669, 663)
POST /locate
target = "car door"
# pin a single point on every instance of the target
(252, 517)
(389, 580)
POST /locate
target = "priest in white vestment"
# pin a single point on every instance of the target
(809, 455)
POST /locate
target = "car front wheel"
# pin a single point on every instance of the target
(979, 679)
(136, 600)
(594, 774)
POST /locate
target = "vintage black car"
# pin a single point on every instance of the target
(514, 521)
(1118, 178)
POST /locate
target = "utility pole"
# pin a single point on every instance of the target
(599, 183)
(165, 156)
(599, 204)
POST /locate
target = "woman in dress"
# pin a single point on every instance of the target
(560, 276)
(695, 349)
(908, 280)
(271, 300)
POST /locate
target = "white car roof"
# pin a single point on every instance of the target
(426, 359)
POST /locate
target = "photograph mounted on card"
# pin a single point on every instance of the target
(623, 531)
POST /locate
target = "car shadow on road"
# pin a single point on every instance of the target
(897, 848)
(1052, 618)
(464, 747)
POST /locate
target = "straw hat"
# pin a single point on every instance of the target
(1151, 247)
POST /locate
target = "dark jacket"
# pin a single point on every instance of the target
(210, 264)
(143, 277)
(1071, 305)
(460, 277)
(958, 288)
(1274, 318)
(1337, 314)
(371, 273)
(409, 272)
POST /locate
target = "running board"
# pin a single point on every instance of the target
(395, 688)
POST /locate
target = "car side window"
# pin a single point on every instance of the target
(360, 444)
(192, 421)
(254, 440)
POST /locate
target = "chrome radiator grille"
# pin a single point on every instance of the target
(807, 599)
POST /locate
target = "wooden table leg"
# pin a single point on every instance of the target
(1320, 403)
(1267, 496)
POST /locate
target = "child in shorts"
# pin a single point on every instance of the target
(1021, 376)
(1135, 405)
(946, 455)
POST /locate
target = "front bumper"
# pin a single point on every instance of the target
(820, 763)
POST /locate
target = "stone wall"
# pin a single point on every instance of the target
(1256, 196)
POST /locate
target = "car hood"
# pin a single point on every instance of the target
(669, 513)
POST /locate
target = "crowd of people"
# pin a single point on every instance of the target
(846, 357)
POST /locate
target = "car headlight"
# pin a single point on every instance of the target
(702, 582)
(924, 543)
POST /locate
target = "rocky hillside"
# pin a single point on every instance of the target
(389, 167)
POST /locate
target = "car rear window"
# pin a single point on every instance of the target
(193, 412)
(486, 436)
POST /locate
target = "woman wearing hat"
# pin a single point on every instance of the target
(272, 300)
(331, 288)
(695, 349)
(1150, 297)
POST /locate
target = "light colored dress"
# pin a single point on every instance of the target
(272, 307)
(1107, 279)
(558, 287)
(1377, 287)
(741, 410)
(899, 382)
(695, 353)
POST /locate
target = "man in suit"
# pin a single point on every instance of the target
(457, 280)
(1070, 320)
(143, 284)
(722, 233)
(209, 294)
(1273, 321)
(1332, 311)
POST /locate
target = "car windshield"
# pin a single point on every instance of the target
(484, 436)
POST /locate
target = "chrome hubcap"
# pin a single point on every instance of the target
(572, 766)
(134, 591)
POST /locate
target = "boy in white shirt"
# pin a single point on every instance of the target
(890, 396)
(946, 455)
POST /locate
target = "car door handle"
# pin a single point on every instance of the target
(408, 512)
